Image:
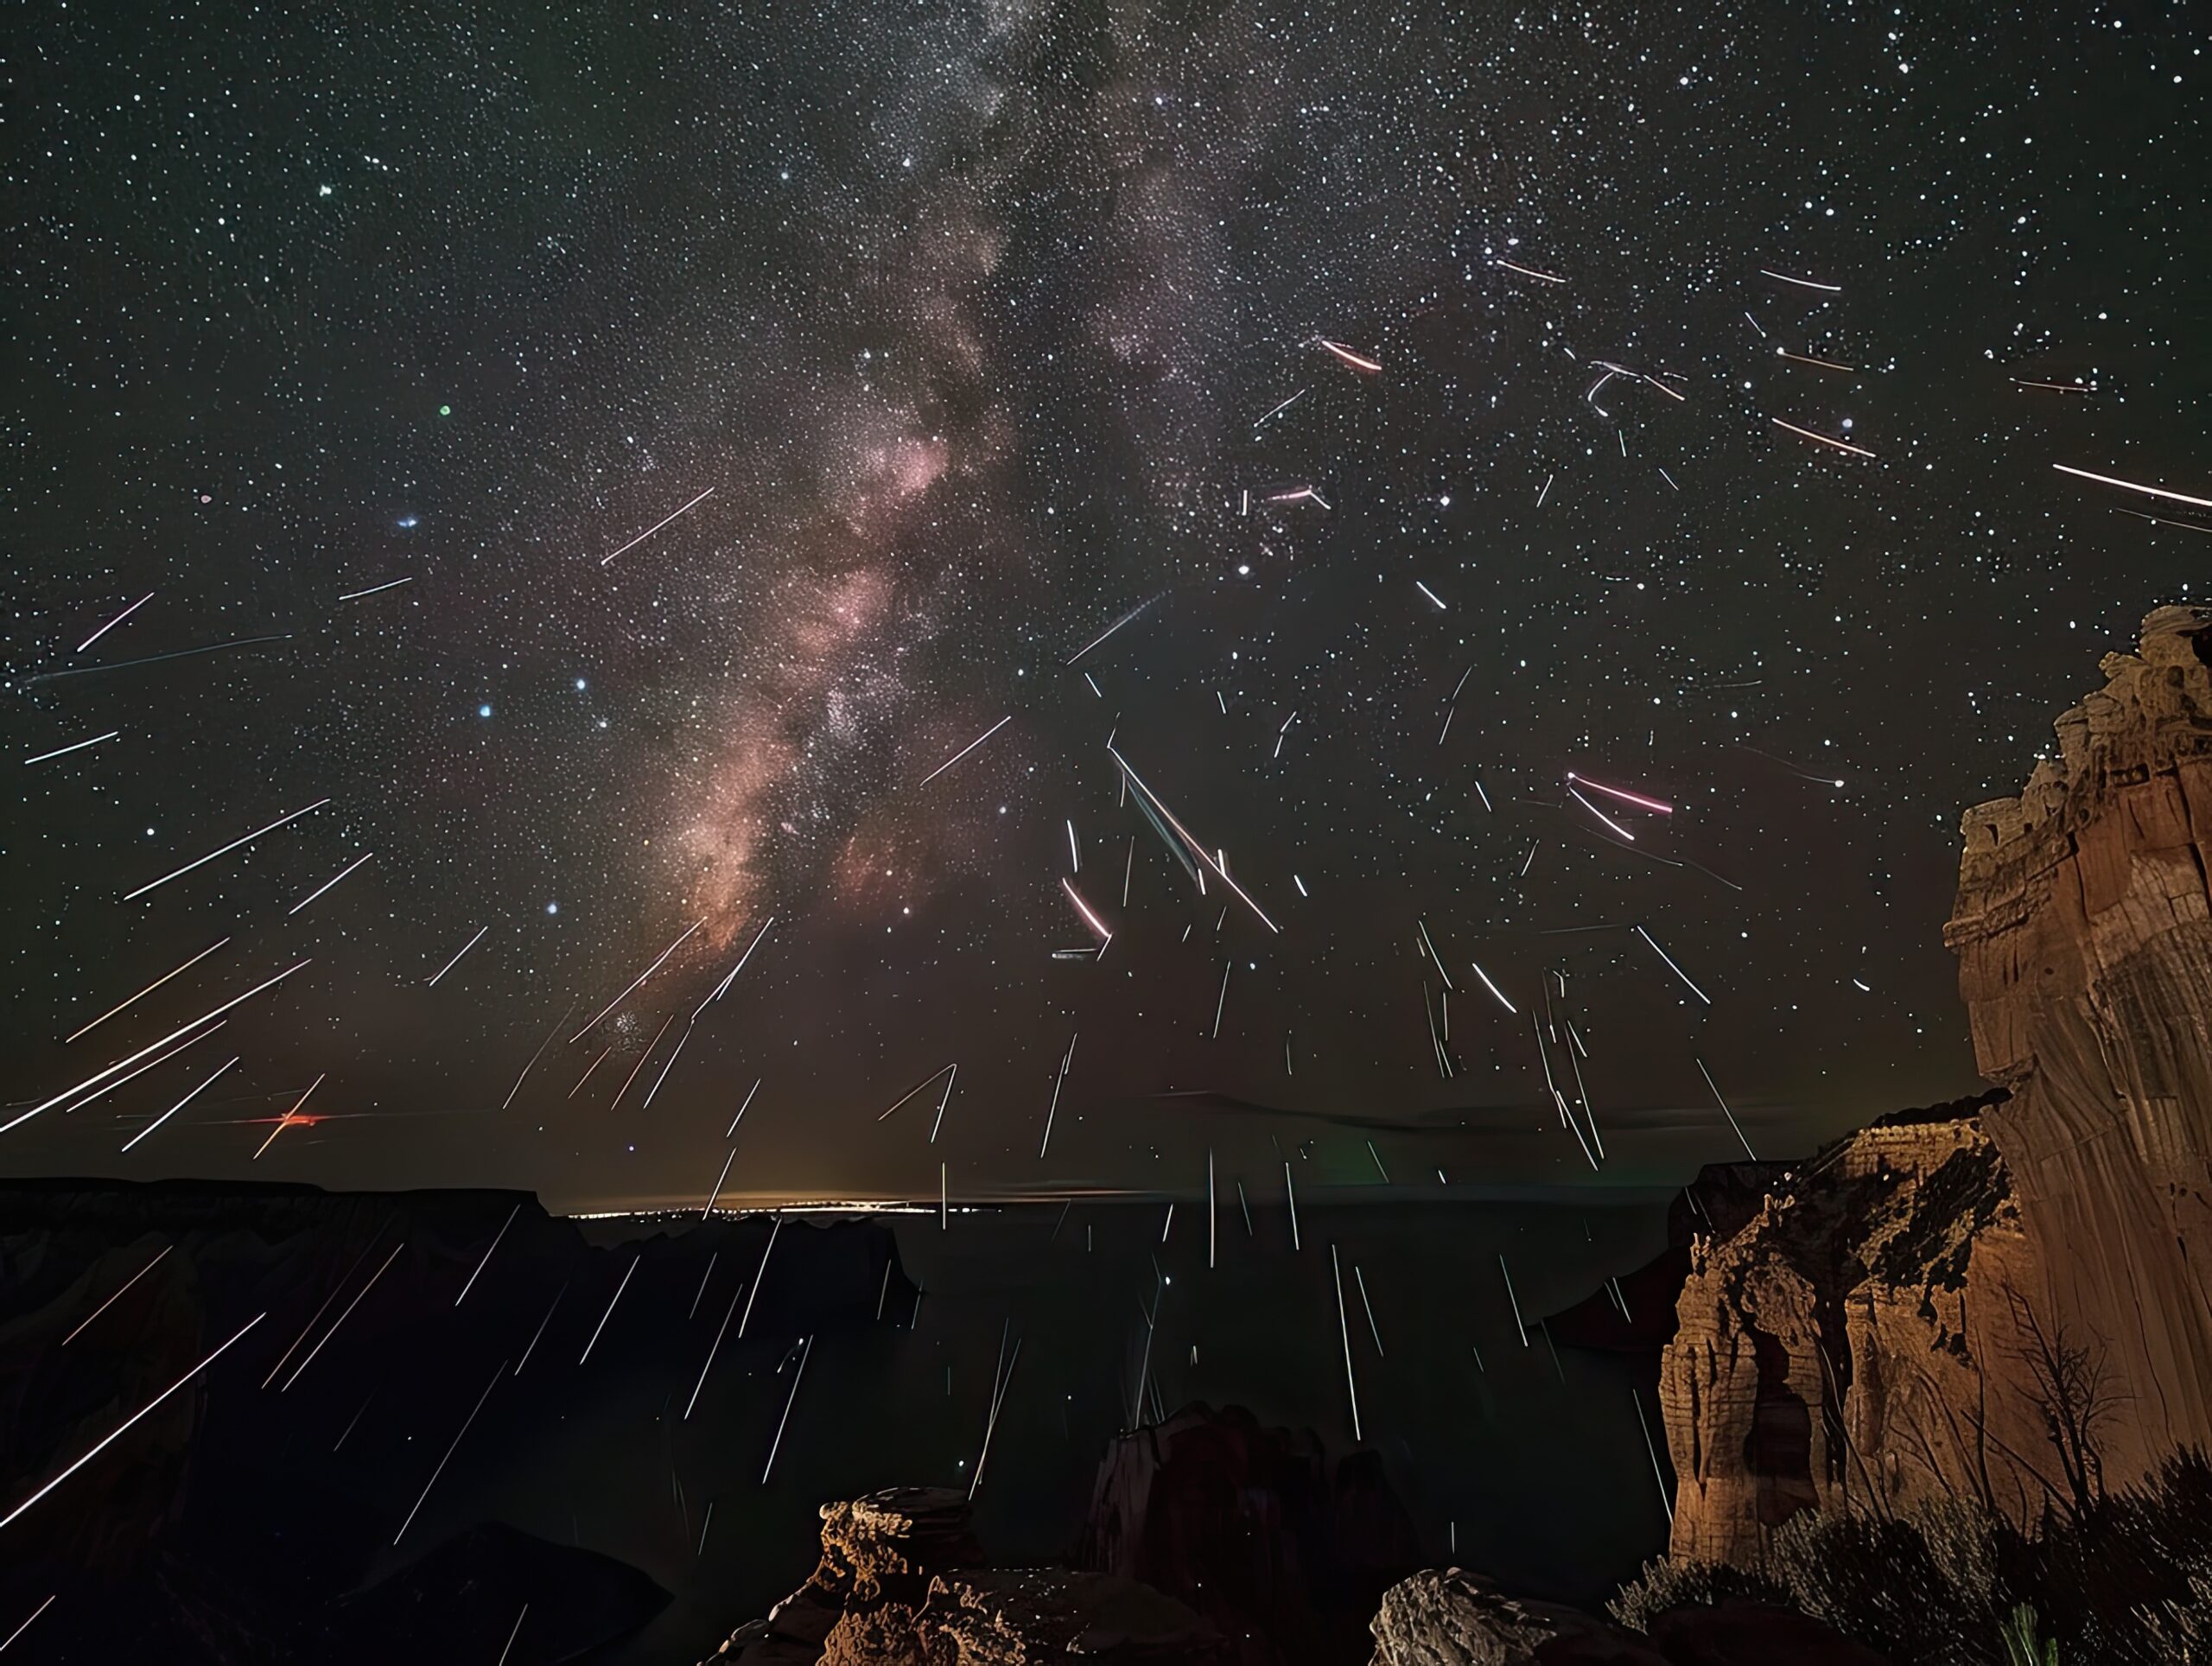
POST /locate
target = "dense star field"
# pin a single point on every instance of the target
(592, 473)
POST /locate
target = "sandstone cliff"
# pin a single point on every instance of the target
(2007, 1304)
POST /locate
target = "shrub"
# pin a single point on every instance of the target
(2129, 1582)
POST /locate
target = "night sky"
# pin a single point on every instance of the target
(606, 464)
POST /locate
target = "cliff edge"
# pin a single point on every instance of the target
(2010, 1304)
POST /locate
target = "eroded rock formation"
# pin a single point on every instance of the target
(902, 1583)
(2008, 1305)
(1836, 1348)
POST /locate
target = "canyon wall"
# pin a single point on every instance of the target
(2009, 1305)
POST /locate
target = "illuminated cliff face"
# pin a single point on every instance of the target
(2010, 1307)
(2083, 929)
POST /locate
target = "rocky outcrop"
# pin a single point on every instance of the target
(2007, 1304)
(1253, 1528)
(1834, 1351)
(1454, 1617)
(902, 1583)
(1634, 1313)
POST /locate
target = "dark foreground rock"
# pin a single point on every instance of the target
(1253, 1529)
(468, 1597)
(292, 1503)
(900, 1583)
(1738, 1633)
(1454, 1617)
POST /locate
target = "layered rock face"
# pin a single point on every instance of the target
(2008, 1305)
(2084, 940)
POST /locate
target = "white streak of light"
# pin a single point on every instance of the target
(127, 1423)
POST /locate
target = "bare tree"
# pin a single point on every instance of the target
(2071, 1388)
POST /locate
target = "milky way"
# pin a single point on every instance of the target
(617, 461)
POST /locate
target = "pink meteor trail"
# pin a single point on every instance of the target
(1636, 799)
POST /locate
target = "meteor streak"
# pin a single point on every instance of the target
(1090, 918)
(144, 993)
(902, 1098)
(116, 621)
(641, 977)
(455, 961)
(117, 1296)
(156, 658)
(375, 589)
(1358, 362)
(2129, 486)
(291, 1117)
(450, 1450)
(1725, 1111)
(74, 745)
(1601, 815)
(156, 1047)
(973, 744)
(1060, 1081)
(1494, 989)
(657, 524)
(1152, 797)
(1529, 271)
(1801, 282)
(1115, 626)
(127, 1423)
(1636, 799)
(1821, 439)
(1821, 364)
(486, 1262)
(722, 989)
(609, 1314)
(234, 844)
(1671, 966)
(327, 883)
